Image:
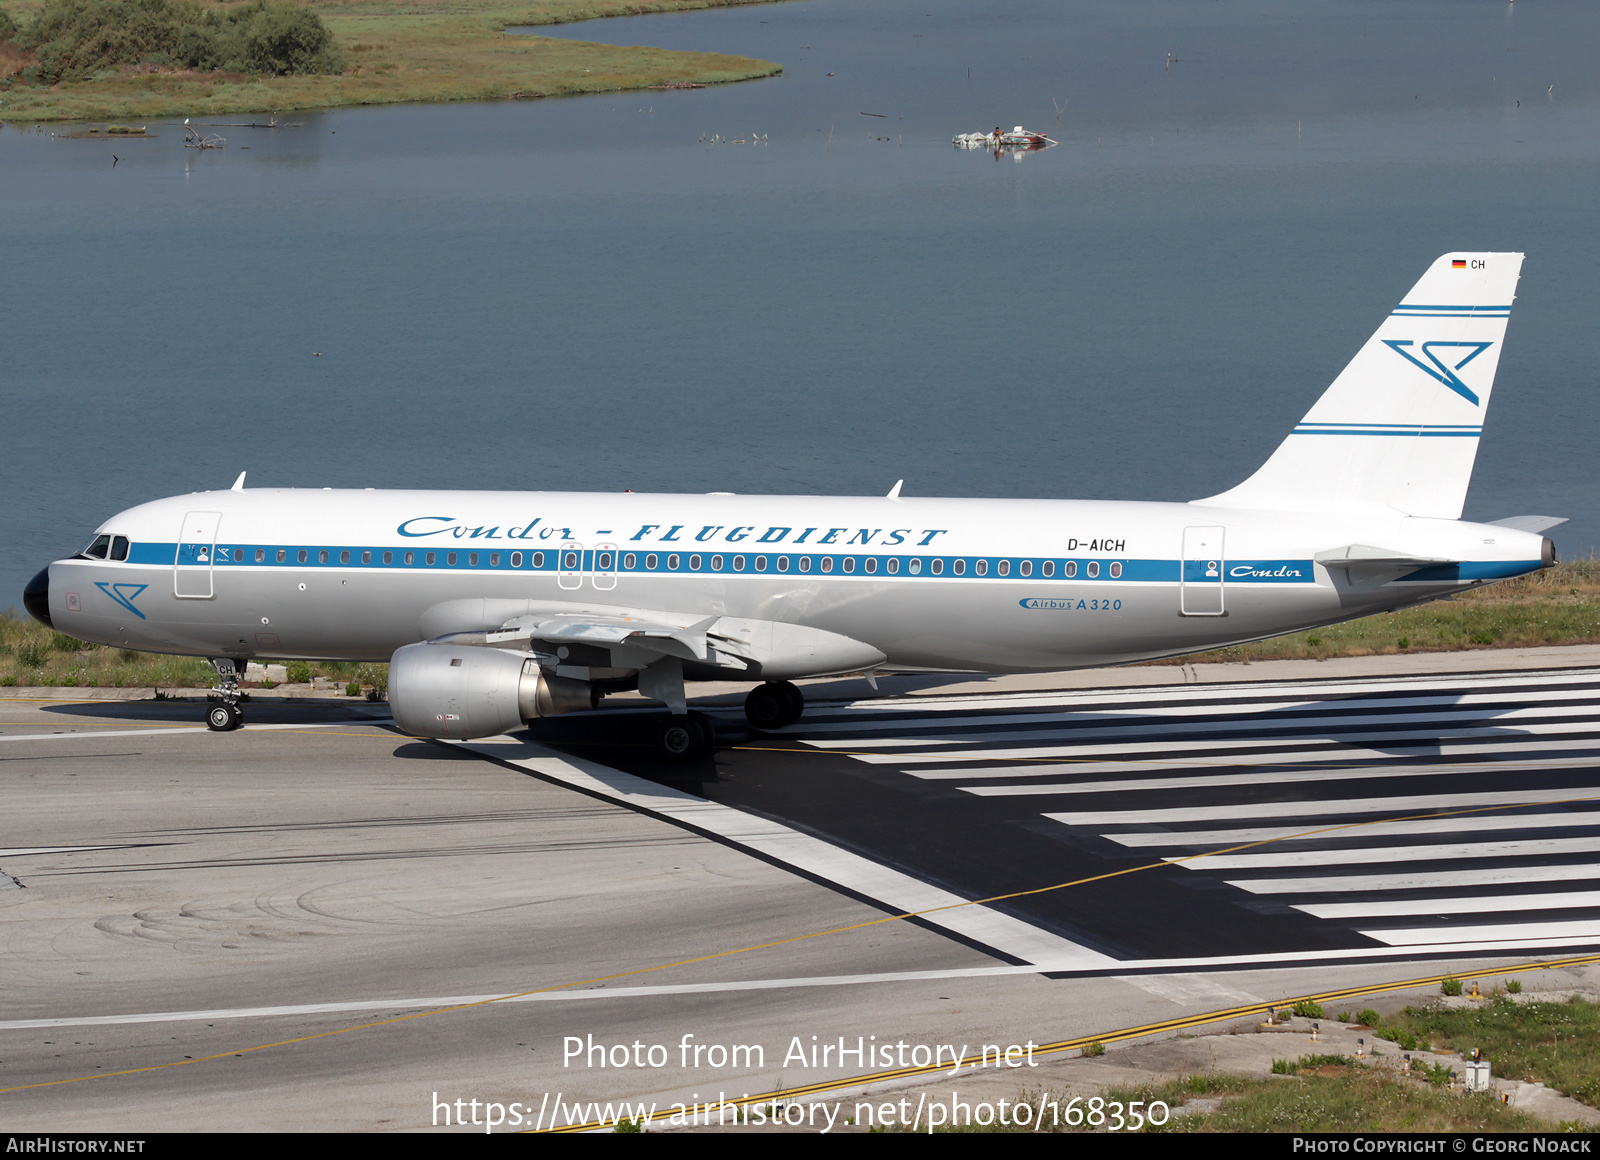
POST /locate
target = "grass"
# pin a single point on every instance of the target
(1557, 1044)
(33, 655)
(397, 51)
(1332, 1097)
(1315, 1094)
(1560, 605)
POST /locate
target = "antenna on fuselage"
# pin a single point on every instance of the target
(238, 484)
(894, 492)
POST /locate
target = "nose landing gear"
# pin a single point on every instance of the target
(226, 716)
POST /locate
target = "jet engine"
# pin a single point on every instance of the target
(461, 691)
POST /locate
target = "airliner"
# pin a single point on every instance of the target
(496, 608)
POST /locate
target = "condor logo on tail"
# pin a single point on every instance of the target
(1445, 374)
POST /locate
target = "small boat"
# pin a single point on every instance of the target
(1018, 138)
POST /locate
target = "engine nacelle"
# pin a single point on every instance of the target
(462, 691)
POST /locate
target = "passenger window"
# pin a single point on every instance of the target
(261, 555)
(430, 558)
(322, 556)
(283, 554)
(629, 560)
(98, 549)
(938, 567)
(959, 568)
(302, 556)
(738, 563)
(894, 566)
(849, 563)
(538, 559)
(872, 563)
(238, 553)
(1049, 568)
(344, 557)
(451, 559)
(694, 563)
(1093, 569)
(1070, 569)
(1026, 567)
(472, 559)
(783, 563)
(805, 563)
(761, 563)
(651, 561)
(983, 567)
(827, 563)
(388, 557)
(494, 559)
(672, 562)
(516, 559)
(1116, 570)
(916, 566)
(366, 557)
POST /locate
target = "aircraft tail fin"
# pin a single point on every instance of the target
(1398, 429)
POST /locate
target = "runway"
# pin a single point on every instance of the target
(1304, 821)
(386, 920)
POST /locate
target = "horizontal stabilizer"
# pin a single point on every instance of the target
(1398, 429)
(1534, 524)
(1352, 555)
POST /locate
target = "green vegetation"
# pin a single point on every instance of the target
(33, 655)
(1450, 986)
(1332, 1097)
(77, 39)
(1307, 1009)
(141, 59)
(1557, 1044)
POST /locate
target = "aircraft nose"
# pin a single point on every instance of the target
(36, 597)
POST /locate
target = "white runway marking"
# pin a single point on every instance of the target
(178, 730)
(1222, 752)
(1456, 825)
(789, 847)
(1455, 904)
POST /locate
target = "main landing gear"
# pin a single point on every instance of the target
(774, 705)
(225, 715)
(689, 736)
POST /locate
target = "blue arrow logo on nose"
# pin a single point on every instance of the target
(123, 594)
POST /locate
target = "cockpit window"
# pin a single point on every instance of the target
(98, 549)
(119, 547)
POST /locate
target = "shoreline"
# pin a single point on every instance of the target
(404, 55)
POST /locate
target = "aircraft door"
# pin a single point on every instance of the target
(604, 576)
(197, 545)
(569, 574)
(1201, 586)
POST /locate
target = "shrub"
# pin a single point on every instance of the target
(1367, 1017)
(32, 655)
(299, 673)
(77, 38)
(1514, 986)
(353, 689)
(1306, 1009)
(1284, 1067)
(8, 26)
(1450, 986)
(1095, 1048)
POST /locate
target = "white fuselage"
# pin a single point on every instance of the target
(996, 585)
